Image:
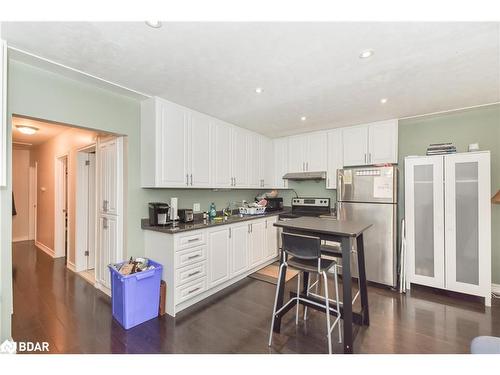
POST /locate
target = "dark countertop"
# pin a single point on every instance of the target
(184, 227)
(325, 226)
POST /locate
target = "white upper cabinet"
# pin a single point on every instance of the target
(307, 152)
(296, 153)
(254, 157)
(280, 150)
(375, 143)
(355, 141)
(163, 144)
(240, 153)
(316, 154)
(267, 163)
(383, 142)
(199, 148)
(222, 155)
(335, 157)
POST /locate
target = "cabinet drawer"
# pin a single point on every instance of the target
(190, 273)
(190, 239)
(189, 256)
(189, 290)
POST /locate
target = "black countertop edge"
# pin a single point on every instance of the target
(185, 227)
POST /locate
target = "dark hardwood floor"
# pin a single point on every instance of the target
(53, 304)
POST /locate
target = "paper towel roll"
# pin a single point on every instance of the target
(173, 209)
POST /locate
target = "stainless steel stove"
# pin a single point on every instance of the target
(307, 207)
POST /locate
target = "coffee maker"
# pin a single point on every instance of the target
(159, 213)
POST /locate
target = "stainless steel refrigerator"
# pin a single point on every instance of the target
(370, 194)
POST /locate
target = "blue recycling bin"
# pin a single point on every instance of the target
(135, 298)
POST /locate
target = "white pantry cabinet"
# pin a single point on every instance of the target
(199, 263)
(448, 222)
(375, 143)
(199, 166)
(240, 143)
(280, 150)
(307, 152)
(335, 157)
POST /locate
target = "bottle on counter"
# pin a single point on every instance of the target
(212, 211)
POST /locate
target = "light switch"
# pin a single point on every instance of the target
(196, 207)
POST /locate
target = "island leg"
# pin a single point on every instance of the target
(347, 294)
(363, 290)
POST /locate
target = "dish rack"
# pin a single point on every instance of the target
(252, 210)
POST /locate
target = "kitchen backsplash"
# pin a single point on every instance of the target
(222, 197)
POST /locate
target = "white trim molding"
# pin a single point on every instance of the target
(45, 249)
(71, 266)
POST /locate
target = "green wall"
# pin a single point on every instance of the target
(481, 125)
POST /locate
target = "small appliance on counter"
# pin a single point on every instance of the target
(186, 215)
(274, 204)
(159, 213)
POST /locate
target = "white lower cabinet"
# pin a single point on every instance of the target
(219, 247)
(239, 248)
(199, 263)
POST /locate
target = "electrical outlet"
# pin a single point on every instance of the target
(196, 207)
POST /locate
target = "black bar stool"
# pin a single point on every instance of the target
(303, 253)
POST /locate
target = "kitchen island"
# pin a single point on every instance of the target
(350, 235)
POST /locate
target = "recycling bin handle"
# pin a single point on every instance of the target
(143, 275)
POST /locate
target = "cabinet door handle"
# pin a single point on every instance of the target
(266, 224)
(248, 228)
(187, 179)
(193, 239)
(366, 159)
(229, 232)
(193, 290)
(369, 157)
(105, 223)
(193, 273)
(194, 256)
(191, 180)
(307, 165)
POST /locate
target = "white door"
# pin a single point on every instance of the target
(254, 156)
(199, 151)
(296, 154)
(271, 238)
(171, 153)
(334, 159)
(316, 154)
(239, 249)
(257, 230)
(221, 154)
(108, 247)
(467, 223)
(383, 142)
(280, 150)
(109, 163)
(355, 145)
(91, 216)
(424, 206)
(218, 256)
(240, 152)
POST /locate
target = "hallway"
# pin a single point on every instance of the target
(54, 304)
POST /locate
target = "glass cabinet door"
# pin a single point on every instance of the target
(424, 220)
(465, 212)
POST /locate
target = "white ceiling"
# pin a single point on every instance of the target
(309, 69)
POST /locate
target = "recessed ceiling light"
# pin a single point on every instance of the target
(303, 118)
(30, 130)
(366, 54)
(383, 100)
(154, 24)
(258, 90)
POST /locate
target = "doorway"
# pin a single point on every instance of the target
(61, 208)
(86, 213)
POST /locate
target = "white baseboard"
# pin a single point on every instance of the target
(44, 248)
(20, 239)
(71, 266)
(495, 288)
(103, 288)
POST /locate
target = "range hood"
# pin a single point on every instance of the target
(299, 176)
